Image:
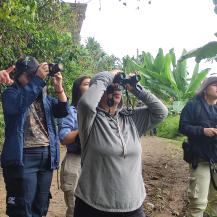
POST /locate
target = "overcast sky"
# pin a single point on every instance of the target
(178, 24)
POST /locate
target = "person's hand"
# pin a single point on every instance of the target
(43, 70)
(5, 75)
(128, 86)
(210, 132)
(58, 86)
(58, 82)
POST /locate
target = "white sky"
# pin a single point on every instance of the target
(178, 24)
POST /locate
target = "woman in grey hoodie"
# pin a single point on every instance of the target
(111, 182)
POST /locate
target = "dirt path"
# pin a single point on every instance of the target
(165, 175)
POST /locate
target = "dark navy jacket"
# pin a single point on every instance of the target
(196, 116)
(15, 102)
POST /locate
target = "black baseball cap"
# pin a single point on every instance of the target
(27, 64)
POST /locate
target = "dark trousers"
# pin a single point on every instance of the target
(28, 187)
(84, 210)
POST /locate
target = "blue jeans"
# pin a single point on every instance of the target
(28, 187)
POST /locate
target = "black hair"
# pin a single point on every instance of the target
(76, 92)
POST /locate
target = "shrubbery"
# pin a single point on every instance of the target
(169, 128)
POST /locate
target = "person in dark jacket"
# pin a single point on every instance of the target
(31, 147)
(198, 122)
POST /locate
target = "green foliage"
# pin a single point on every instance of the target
(99, 59)
(208, 51)
(169, 128)
(34, 28)
(39, 28)
(24, 25)
(166, 77)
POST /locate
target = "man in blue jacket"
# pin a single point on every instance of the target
(198, 122)
(31, 147)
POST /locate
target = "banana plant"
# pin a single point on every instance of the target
(208, 51)
(167, 78)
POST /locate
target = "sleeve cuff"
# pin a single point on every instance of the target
(202, 130)
(62, 103)
(63, 133)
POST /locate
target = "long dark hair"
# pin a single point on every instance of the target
(76, 92)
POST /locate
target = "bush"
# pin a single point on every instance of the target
(169, 128)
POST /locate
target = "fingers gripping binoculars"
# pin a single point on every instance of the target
(54, 68)
(122, 79)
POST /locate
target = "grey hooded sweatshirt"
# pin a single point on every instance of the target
(111, 177)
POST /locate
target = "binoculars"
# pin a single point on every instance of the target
(122, 79)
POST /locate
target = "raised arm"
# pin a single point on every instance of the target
(148, 116)
(60, 107)
(17, 100)
(89, 102)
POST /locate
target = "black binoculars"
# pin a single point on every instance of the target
(122, 79)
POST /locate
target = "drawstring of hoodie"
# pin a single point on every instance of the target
(115, 119)
(122, 141)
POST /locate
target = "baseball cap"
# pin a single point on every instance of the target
(27, 64)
